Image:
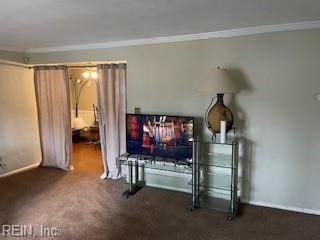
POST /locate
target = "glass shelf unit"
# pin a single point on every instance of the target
(214, 203)
(209, 140)
(215, 170)
(215, 181)
(217, 160)
(165, 166)
(178, 172)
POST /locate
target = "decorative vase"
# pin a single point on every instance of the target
(219, 112)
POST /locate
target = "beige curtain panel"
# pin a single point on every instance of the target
(112, 87)
(52, 95)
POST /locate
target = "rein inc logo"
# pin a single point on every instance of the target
(28, 231)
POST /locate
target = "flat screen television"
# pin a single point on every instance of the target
(160, 135)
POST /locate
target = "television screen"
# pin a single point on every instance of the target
(160, 135)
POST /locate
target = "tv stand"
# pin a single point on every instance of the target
(212, 176)
(138, 163)
(137, 185)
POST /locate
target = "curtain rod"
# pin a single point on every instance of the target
(82, 66)
(18, 64)
(89, 66)
(79, 64)
(59, 65)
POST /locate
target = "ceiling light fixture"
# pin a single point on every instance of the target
(93, 75)
(86, 74)
(90, 73)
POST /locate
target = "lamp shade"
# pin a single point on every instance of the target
(218, 81)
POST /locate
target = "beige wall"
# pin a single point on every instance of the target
(275, 111)
(89, 94)
(19, 135)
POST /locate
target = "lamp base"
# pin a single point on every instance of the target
(219, 112)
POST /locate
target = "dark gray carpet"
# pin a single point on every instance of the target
(81, 206)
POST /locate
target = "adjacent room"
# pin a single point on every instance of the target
(160, 119)
(84, 118)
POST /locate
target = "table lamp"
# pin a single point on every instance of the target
(218, 82)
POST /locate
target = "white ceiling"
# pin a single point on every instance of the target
(50, 23)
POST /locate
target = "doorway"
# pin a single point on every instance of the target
(84, 119)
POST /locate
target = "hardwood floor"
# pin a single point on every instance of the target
(87, 158)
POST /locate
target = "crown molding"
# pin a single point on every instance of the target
(181, 38)
(13, 63)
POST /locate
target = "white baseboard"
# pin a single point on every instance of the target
(32, 166)
(288, 208)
